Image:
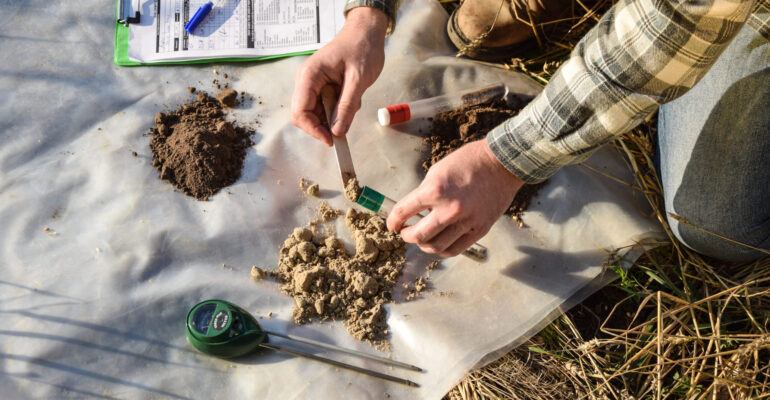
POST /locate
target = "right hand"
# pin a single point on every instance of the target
(350, 63)
(466, 193)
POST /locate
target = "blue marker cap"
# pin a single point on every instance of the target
(198, 17)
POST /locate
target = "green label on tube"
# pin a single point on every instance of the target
(371, 199)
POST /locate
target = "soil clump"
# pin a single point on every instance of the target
(310, 189)
(353, 190)
(196, 149)
(329, 283)
(228, 98)
(257, 273)
(326, 213)
(452, 129)
(313, 190)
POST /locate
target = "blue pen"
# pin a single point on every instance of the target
(198, 17)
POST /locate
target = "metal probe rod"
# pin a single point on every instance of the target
(348, 351)
(340, 364)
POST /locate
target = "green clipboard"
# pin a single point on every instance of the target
(122, 59)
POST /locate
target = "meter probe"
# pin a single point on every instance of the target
(222, 329)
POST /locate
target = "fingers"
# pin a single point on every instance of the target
(311, 124)
(440, 229)
(349, 102)
(305, 103)
(406, 208)
(442, 240)
(424, 231)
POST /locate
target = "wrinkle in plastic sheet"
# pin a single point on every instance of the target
(95, 307)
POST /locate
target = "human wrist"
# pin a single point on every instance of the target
(374, 21)
(490, 158)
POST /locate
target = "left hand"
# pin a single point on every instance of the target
(466, 193)
(352, 61)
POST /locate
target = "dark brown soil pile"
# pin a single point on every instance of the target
(452, 129)
(329, 283)
(196, 149)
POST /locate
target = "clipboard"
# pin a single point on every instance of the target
(122, 31)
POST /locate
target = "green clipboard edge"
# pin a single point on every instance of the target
(122, 59)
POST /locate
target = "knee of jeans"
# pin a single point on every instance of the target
(707, 240)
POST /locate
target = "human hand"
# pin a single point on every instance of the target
(466, 193)
(351, 62)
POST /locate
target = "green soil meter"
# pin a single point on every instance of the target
(222, 329)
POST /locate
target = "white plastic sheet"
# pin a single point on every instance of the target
(95, 307)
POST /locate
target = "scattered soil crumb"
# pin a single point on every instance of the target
(46, 229)
(416, 288)
(326, 213)
(228, 98)
(313, 190)
(257, 273)
(452, 129)
(135, 154)
(270, 314)
(433, 265)
(303, 184)
(308, 188)
(446, 294)
(196, 149)
(329, 283)
(191, 89)
(224, 75)
(352, 190)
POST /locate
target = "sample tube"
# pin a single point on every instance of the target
(436, 105)
(382, 205)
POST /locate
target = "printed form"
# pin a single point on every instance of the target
(233, 28)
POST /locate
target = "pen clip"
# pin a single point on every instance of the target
(123, 17)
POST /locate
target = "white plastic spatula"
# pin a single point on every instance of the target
(344, 160)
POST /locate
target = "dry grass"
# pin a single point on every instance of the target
(675, 326)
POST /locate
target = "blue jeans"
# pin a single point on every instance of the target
(714, 154)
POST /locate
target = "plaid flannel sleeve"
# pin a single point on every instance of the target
(641, 54)
(389, 7)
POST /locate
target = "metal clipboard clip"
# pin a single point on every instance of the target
(123, 17)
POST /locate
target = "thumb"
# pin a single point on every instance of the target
(409, 206)
(349, 103)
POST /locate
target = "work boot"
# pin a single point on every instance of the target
(476, 33)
